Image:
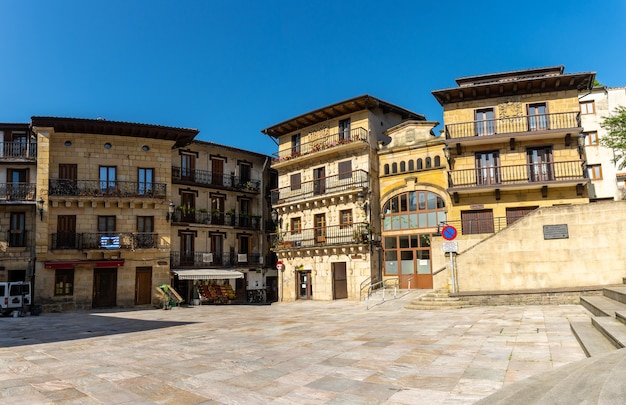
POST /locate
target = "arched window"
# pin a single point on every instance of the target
(437, 161)
(386, 168)
(394, 167)
(414, 210)
(428, 163)
(419, 164)
(411, 165)
(402, 167)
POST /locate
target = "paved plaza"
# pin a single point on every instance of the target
(305, 352)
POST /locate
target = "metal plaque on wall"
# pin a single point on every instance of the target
(555, 232)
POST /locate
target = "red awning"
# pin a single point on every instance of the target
(68, 264)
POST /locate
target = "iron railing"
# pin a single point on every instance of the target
(318, 187)
(203, 217)
(213, 259)
(104, 240)
(520, 124)
(18, 151)
(207, 178)
(329, 141)
(356, 233)
(108, 188)
(517, 174)
(18, 191)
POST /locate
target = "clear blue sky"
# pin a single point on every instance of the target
(232, 68)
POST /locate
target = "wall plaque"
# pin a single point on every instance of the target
(555, 232)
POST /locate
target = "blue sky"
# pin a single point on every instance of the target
(232, 68)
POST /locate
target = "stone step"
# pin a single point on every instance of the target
(434, 305)
(615, 293)
(600, 305)
(614, 330)
(621, 316)
(591, 340)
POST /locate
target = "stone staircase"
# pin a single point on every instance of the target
(438, 299)
(607, 330)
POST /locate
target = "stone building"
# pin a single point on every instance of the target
(102, 234)
(326, 205)
(220, 207)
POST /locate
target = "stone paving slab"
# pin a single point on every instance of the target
(305, 352)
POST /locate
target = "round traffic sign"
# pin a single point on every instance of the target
(448, 232)
(279, 265)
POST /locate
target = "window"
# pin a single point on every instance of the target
(17, 234)
(107, 238)
(245, 170)
(295, 144)
(476, 221)
(344, 129)
(320, 228)
(540, 165)
(487, 168)
(296, 225)
(402, 166)
(217, 247)
(394, 168)
(17, 184)
(345, 169)
(587, 107)
(412, 210)
(515, 213)
(419, 163)
(218, 203)
(537, 117)
(244, 213)
(145, 238)
(66, 232)
(437, 161)
(594, 172)
(187, 166)
(187, 251)
(386, 170)
(591, 138)
(217, 171)
(411, 166)
(244, 244)
(296, 181)
(345, 218)
(319, 181)
(107, 179)
(146, 178)
(484, 122)
(429, 163)
(64, 282)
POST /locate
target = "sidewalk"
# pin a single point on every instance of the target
(306, 352)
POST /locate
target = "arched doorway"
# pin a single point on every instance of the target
(410, 219)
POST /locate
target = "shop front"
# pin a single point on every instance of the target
(208, 286)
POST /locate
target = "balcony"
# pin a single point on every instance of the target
(212, 259)
(17, 237)
(517, 176)
(203, 217)
(104, 240)
(18, 151)
(527, 127)
(335, 235)
(17, 191)
(325, 186)
(205, 178)
(98, 188)
(313, 149)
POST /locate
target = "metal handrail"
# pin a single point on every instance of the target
(382, 283)
(326, 142)
(366, 282)
(320, 187)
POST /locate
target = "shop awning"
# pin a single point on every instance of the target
(207, 274)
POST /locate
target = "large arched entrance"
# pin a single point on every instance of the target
(409, 222)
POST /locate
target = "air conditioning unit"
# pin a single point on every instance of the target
(242, 257)
(207, 257)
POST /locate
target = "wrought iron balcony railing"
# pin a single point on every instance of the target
(325, 185)
(207, 178)
(18, 191)
(110, 188)
(335, 140)
(356, 233)
(496, 176)
(221, 218)
(510, 125)
(104, 240)
(213, 259)
(18, 151)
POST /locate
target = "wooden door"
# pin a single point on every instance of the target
(319, 181)
(104, 288)
(340, 281)
(143, 285)
(217, 169)
(66, 232)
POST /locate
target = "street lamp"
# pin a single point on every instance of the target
(40, 208)
(170, 211)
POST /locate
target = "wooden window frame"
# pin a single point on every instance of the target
(586, 110)
(591, 140)
(345, 219)
(63, 282)
(296, 225)
(591, 172)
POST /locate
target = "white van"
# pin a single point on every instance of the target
(14, 296)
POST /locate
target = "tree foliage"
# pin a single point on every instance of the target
(615, 124)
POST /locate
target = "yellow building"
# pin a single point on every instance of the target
(326, 204)
(513, 143)
(102, 231)
(414, 201)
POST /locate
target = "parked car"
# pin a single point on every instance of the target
(14, 296)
